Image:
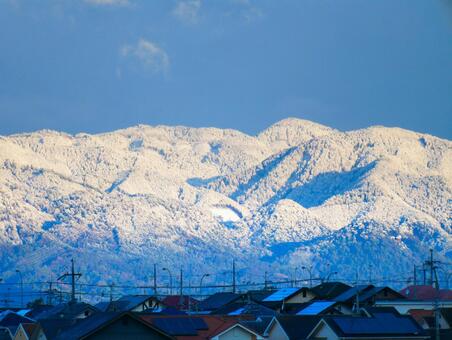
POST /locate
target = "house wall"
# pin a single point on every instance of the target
(20, 334)
(324, 332)
(85, 314)
(300, 299)
(124, 329)
(146, 305)
(403, 306)
(277, 333)
(237, 333)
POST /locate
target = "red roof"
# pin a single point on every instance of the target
(420, 314)
(215, 325)
(425, 293)
(176, 302)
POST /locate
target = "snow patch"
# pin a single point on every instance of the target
(226, 213)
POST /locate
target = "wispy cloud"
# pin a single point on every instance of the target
(187, 11)
(151, 57)
(108, 2)
(249, 10)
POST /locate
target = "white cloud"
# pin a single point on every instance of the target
(108, 2)
(151, 57)
(188, 11)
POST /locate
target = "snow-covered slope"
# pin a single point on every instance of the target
(297, 193)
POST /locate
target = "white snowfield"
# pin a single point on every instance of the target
(295, 194)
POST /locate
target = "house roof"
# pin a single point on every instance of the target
(329, 290)
(370, 310)
(102, 306)
(180, 302)
(258, 295)
(447, 315)
(421, 292)
(217, 300)
(53, 327)
(12, 320)
(381, 324)
(316, 307)
(244, 308)
(369, 293)
(259, 325)
(65, 310)
(214, 324)
(127, 302)
(96, 322)
(169, 311)
(296, 326)
(282, 294)
(420, 314)
(38, 310)
(351, 293)
(235, 325)
(181, 326)
(5, 334)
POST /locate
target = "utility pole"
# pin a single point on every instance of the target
(50, 294)
(265, 281)
(431, 267)
(423, 271)
(111, 291)
(73, 275)
(181, 298)
(433, 280)
(181, 282)
(233, 276)
(21, 288)
(155, 279)
(357, 302)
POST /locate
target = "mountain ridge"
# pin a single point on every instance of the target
(294, 194)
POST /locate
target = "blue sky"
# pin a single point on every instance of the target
(99, 65)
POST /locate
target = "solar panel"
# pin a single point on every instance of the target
(316, 307)
(176, 326)
(237, 311)
(383, 323)
(281, 294)
(199, 323)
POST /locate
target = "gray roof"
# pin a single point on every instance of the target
(351, 292)
(259, 325)
(217, 300)
(86, 325)
(127, 303)
(65, 310)
(5, 334)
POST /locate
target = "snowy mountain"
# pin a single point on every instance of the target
(298, 193)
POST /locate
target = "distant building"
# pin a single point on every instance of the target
(426, 292)
(133, 303)
(180, 302)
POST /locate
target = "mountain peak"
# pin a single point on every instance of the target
(293, 131)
